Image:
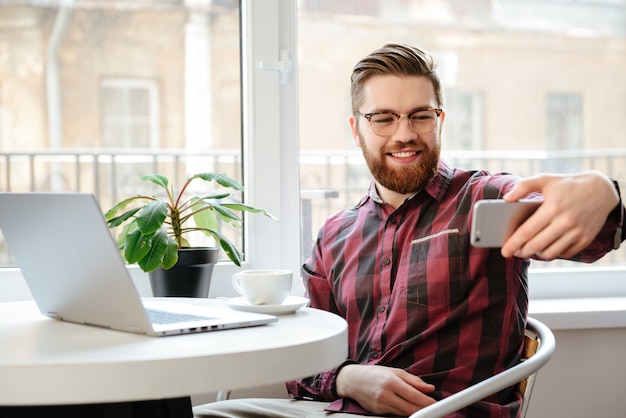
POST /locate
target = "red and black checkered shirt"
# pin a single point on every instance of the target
(417, 296)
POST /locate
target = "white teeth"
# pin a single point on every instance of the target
(403, 154)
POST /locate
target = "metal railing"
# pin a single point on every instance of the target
(346, 173)
(355, 175)
(341, 176)
(104, 172)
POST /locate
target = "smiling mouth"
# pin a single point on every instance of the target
(404, 154)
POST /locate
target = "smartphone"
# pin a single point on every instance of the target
(494, 220)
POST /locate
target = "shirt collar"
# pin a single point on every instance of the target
(438, 187)
(373, 193)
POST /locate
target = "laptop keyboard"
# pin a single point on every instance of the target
(163, 317)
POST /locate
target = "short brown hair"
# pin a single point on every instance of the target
(395, 59)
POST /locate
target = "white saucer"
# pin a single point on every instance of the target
(290, 305)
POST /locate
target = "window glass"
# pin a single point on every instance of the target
(129, 114)
(530, 86)
(94, 94)
(464, 111)
(564, 114)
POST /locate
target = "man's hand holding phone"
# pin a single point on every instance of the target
(568, 220)
(495, 220)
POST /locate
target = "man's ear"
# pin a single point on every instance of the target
(354, 128)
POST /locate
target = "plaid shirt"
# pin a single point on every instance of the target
(417, 296)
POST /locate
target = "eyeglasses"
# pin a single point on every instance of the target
(421, 121)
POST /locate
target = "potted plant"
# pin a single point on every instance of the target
(155, 229)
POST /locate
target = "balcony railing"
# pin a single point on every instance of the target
(330, 179)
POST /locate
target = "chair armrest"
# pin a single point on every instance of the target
(498, 382)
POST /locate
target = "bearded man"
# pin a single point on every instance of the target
(427, 313)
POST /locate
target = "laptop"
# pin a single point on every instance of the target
(76, 273)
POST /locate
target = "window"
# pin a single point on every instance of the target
(564, 117)
(464, 112)
(130, 114)
(530, 87)
(96, 93)
(564, 129)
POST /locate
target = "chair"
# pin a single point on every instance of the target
(539, 345)
(223, 395)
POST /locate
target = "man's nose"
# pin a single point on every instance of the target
(405, 131)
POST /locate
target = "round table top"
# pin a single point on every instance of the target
(48, 362)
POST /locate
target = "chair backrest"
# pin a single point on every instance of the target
(539, 346)
(534, 337)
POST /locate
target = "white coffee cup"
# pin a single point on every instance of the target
(263, 287)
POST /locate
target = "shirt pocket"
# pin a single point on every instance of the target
(438, 270)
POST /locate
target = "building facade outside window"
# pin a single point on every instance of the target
(182, 86)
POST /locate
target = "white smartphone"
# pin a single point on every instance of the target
(494, 220)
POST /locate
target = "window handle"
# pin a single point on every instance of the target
(283, 66)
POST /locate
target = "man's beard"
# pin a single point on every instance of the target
(407, 179)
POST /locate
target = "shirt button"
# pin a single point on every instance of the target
(381, 309)
(393, 221)
(387, 261)
(374, 355)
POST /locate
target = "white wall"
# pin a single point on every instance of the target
(585, 378)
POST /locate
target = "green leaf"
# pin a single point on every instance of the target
(154, 257)
(137, 246)
(204, 216)
(248, 208)
(211, 197)
(225, 213)
(229, 248)
(121, 205)
(152, 217)
(121, 238)
(158, 179)
(170, 258)
(231, 251)
(221, 179)
(117, 221)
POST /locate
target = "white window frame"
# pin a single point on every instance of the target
(270, 150)
(270, 140)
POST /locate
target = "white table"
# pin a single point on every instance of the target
(48, 362)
